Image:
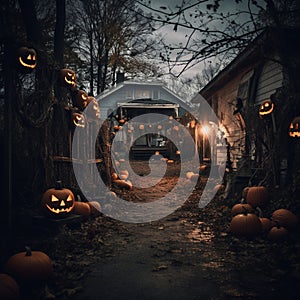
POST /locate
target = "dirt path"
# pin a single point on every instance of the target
(190, 254)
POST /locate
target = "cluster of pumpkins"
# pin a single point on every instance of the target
(121, 181)
(25, 269)
(60, 202)
(245, 221)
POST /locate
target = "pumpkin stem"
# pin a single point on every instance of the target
(260, 213)
(245, 211)
(28, 251)
(58, 185)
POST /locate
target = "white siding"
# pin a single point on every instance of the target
(270, 80)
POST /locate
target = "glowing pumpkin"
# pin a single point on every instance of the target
(78, 119)
(27, 58)
(80, 100)
(294, 129)
(68, 78)
(266, 108)
(58, 201)
(92, 109)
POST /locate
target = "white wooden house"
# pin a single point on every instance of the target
(257, 74)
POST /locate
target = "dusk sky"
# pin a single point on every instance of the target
(180, 36)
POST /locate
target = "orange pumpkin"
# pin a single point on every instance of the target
(82, 208)
(9, 289)
(123, 184)
(278, 233)
(285, 218)
(95, 207)
(29, 267)
(58, 201)
(240, 208)
(257, 196)
(68, 78)
(245, 224)
(189, 174)
(27, 58)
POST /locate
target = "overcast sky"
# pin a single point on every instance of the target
(180, 36)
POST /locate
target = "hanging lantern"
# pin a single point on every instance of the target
(78, 119)
(294, 129)
(266, 108)
(80, 100)
(68, 78)
(27, 58)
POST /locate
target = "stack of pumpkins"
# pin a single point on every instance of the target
(23, 272)
(248, 221)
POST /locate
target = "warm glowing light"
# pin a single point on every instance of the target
(205, 129)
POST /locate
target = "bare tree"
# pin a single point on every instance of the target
(212, 28)
(113, 37)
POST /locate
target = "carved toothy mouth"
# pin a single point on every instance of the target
(32, 66)
(70, 82)
(60, 210)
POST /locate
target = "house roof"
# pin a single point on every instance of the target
(247, 57)
(105, 95)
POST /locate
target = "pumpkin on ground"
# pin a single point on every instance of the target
(123, 184)
(285, 218)
(9, 289)
(95, 207)
(114, 176)
(278, 233)
(189, 174)
(245, 224)
(266, 223)
(82, 208)
(240, 208)
(29, 267)
(58, 201)
(257, 196)
(124, 174)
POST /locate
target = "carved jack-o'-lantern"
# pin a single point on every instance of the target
(80, 100)
(92, 110)
(266, 108)
(27, 58)
(78, 119)
(58, 201)
(294, 129)
(68, 78)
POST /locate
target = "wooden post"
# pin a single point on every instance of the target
(7, 175)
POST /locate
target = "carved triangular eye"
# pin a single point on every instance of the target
(54, 199)
(29, 57)
(69, 198)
